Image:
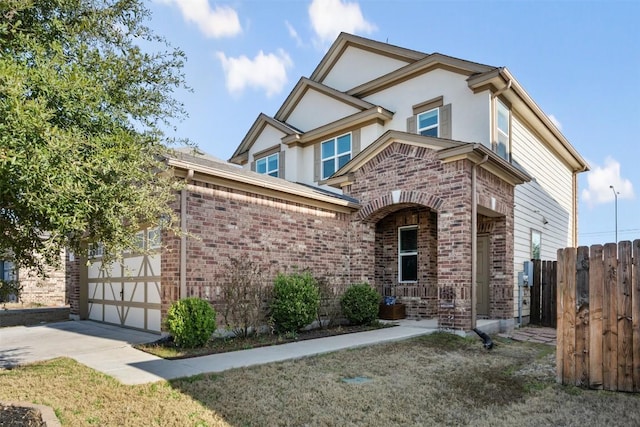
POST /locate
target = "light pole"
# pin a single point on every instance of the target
(615, 194)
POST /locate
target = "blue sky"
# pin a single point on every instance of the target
(579, 60)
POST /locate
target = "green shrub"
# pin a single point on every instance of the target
(295, 301)
(360, 304)
(191, 321)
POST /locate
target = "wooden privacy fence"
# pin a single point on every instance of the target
(543, 293)
(599, 316)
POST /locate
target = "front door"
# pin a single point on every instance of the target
(482, 276)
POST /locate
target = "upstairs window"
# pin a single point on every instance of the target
(269, 165)
(7, 271)
(428, 123)
(536, 242)
(335, 153)
(408, 254)
(503, 130)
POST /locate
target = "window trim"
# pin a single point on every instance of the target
(336, 156)
(408, 253)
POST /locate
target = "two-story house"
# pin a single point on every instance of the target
(370, 110)
(430, 177)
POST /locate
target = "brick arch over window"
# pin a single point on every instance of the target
(398, 199)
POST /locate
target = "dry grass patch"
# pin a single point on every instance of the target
(437, 380)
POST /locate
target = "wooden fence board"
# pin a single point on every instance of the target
(625, 333)
(553, 305)
(569, 317)
(582, 317)
(546, 295)
(560, 290)
(535, 292)
(635, 309)
(609, 321)
(596, 290)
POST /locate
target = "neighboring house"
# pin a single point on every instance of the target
(430, 177)
(48, 290)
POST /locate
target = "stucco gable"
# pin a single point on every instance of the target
(240, 156)
(304, 86)
(345, 41)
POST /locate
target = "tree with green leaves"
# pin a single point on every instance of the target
(86, 89)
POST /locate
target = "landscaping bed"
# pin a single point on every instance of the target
(167, 348)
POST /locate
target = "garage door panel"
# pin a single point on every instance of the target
(133, 267)
(135, 317)
(95, 291)
(95, 312)
(153, 293)
(94, 270)
(112, 314)
(134, 292)
(153, 266)
(153, 320)
(112, 291)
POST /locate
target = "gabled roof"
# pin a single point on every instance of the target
(448, 150)
(198, 166)
(428, 63)
(301, 89)
(258, 126)
(345, 40)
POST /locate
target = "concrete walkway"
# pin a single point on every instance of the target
(108, 349)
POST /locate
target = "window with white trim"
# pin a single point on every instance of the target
(269, 165)
(503, 130)
(335, 153)
(153, 238)
(408, 254)
(536, 242)
(7, 271)
(428, 123)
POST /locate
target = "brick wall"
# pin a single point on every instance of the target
(48, 290)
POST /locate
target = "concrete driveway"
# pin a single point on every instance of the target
(77, 339)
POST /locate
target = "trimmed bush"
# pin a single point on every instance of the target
(360, 304)
(191, 322)
(295, 301)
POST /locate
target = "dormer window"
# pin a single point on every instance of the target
(336, 152)
(428, 123)
(268, 165)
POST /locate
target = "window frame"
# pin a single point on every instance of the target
(402, 254)
(8, 268)
(268, 171)
(419, 130)
(500, 132)
(336, 156)
(532, 244)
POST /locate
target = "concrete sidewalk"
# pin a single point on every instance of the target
(108, 349)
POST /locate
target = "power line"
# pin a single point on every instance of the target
(592, 233)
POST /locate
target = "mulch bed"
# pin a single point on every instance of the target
(17, 416)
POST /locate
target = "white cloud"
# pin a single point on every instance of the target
(555, 121)
(215, 23)
(267, 72)
(293, 33)
(599, 180)
(330, 17)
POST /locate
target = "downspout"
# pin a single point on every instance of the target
(183, 236)
(474, 239)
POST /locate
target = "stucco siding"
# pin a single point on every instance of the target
(469, 111)
(316, 109)
(357, 66)
(269, 137)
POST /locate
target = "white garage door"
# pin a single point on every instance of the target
(127, 294)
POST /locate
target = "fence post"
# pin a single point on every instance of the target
(596, 289)
(560, 290)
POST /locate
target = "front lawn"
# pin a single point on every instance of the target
(433, 380)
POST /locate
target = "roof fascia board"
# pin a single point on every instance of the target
(256, 185)
(417, 68)
(358, 119)
(301, 88)
(346, 40)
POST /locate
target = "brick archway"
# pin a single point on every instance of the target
(378, 208)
